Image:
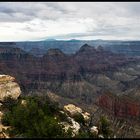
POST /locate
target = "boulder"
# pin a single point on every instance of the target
(94, 130)
(8, 87)
(72, 110)
(75, 126)
(101, 136)
(24, 102)
(86, 116)
(3, 135)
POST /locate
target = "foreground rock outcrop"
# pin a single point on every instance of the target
(71, 124)
(72, 110)
(8, 87)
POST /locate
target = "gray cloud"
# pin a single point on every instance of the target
(25, 11)
(6, 10)
(83, 18)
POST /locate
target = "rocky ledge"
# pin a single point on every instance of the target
(8, 87)
(71, 112)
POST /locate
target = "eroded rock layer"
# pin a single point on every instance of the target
(8, 87)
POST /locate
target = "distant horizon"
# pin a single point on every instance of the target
(68, 40)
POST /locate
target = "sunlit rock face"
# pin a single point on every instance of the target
(23, 102)
(8, 87)
(73, 110)
(86, 116)
(94, 130)
(75, 126)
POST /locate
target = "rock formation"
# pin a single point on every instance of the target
(94, 130)
(73, 125)
(8, 87)
(120, 106)
(23, 102)
(73, 110)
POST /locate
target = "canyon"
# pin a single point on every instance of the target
(92, 77)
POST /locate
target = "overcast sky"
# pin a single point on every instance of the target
(69, 20)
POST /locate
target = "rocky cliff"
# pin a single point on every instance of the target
(8, 88)
(38, 73)
(120, 106)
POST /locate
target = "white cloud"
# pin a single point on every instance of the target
(89, 20)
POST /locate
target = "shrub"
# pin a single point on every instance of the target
(79, 118)
(9, 103)
(36, 119)
(104, 127)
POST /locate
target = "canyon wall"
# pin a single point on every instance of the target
(120, 106)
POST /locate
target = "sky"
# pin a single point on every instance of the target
(25, 21)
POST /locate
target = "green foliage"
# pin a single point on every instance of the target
(104, 127)
(36, 119)
(62, 117)
(9, 103)
(79, 118)
(83, 134)
(40, 118)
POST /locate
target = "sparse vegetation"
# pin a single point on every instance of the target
(79, 118)
(9, 103)
(36, 119)
(41, 117)
(104, 127)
